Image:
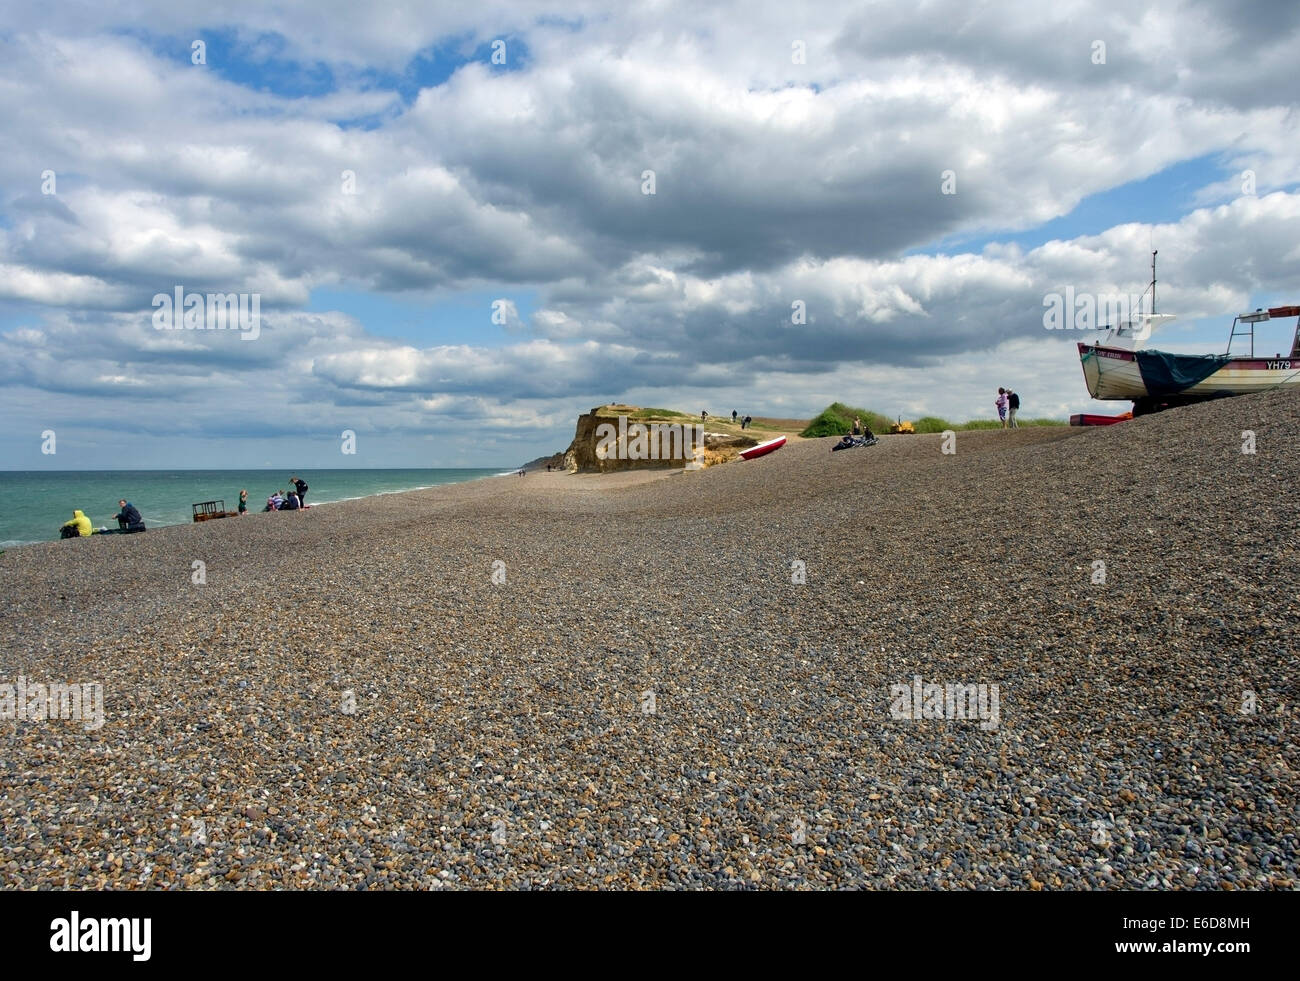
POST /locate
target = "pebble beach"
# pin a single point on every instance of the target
(683, 680)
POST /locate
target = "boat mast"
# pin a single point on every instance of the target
(1154, 253)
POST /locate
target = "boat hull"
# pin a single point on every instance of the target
(762, 449)
(1113, 373)
(1089, 419)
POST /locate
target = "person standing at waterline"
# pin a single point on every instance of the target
(300, 486)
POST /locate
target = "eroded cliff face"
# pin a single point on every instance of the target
(631, 445)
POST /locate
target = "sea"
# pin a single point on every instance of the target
(33, 503)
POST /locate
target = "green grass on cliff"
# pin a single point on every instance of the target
(643, 414)
(837, 419)
(716, 422)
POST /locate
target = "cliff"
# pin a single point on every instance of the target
(617, 437)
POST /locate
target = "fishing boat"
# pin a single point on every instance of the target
(1117, 367)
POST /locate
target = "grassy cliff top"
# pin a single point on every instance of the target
(835, 420)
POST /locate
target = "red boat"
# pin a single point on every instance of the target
(762, 449)
(1087, 419)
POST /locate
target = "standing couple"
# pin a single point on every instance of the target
(1008, 403)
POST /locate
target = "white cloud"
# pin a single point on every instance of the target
(768, 191)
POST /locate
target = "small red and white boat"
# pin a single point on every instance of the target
(762, 449)
(1117, 368)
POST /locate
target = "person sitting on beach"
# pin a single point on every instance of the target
(274, 501)
(78, 527)
(243, 503)
(291, 503)
(128, 518)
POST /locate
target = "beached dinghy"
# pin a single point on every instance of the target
(1117, 368)
(762, 449)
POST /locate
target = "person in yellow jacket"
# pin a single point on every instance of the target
(79, 525)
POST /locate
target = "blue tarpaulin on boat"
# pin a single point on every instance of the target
(1169, 374)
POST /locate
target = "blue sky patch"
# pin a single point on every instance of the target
(1164, 197)
(459, 318)
(262, 63)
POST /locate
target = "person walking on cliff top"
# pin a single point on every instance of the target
(1001, 403)
(1013, 406)
(734, 414)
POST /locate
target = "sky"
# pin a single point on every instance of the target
(462, 226)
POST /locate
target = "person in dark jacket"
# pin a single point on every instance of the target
(300, 486)
(128, 518)
(1013, 406)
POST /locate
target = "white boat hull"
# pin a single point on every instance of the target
(1111, 373)
(1115, 373)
